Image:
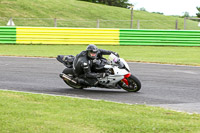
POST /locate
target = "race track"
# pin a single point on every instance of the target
(169, 86)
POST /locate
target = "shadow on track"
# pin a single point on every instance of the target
(89, 92)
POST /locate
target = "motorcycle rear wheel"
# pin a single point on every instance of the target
(69, 72)
(134, 84)
(71, 84)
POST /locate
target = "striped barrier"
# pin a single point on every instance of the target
(36, 35)
(7, 35)
(27, 35)
(160, 37)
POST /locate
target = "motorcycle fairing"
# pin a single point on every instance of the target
(125, 64)
(111, 80)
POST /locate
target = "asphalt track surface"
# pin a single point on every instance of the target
(169, 86)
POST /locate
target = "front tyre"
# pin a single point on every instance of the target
(134, 84)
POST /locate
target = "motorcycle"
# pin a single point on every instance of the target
(118, 74)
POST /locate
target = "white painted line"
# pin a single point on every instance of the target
(187, 72)
(163, 64)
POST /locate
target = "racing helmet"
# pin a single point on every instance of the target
(92, 51)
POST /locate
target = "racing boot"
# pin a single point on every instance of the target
(82, 81)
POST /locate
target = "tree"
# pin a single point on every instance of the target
(158, 13)
(198, 14)
(142, 9)
(118, 3)
(186, 14)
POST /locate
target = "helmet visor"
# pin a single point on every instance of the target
(93, 54)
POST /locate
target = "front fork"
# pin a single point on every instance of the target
(125, 78)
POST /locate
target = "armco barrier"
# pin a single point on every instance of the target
(160, 37)
(36, 35)
(8, 35)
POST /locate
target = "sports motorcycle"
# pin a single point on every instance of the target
(118, 75)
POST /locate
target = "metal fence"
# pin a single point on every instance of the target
(177, 24)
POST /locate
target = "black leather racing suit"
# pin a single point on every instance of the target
(82, 66)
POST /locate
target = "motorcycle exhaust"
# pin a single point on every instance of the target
(64, 76)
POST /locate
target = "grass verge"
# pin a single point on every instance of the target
(76, 14)
(32, 113)
(154, 54)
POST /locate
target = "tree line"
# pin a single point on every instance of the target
(125, 4)
(198, 14)
(118, 3)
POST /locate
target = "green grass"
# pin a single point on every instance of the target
(83, 11)
(35, 113)
(154, 54)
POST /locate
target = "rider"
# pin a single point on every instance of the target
(84, 62)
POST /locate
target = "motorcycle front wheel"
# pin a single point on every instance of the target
(134, 84)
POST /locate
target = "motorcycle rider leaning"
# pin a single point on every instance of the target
(85, 61)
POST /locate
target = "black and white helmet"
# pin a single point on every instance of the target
(92, 51)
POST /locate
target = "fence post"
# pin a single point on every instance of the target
(55, 22)
(131, 17)
(176, 25)
(185, 23)
(98, 22)
(138, 24)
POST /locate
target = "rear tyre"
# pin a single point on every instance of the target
(69, 72)
(73, 85)
(134, 84)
